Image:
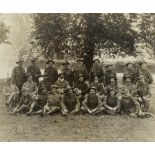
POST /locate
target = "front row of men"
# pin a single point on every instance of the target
(94, 99)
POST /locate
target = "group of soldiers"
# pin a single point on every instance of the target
(75, 91)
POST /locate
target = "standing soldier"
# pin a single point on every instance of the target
(145, 72)
(80, 69)
(34, 70)
(109, 72)
(18, 74)
(51, 72)
(68, 74)
(97, 69)
(132, 71)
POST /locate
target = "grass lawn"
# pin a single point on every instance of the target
(75, 128)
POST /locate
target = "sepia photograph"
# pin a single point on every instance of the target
(77, 77)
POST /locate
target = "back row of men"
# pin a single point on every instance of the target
(71, 91)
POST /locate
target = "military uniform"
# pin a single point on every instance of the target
(130, 87)
(92, 103)
(143, 94)
(97, 70)
(128, 105)
(35, 72)
(69, 103)
(108, 75)
(146, 73)
(81, 86)
(52, 74)
(31, 87)
(18, 76)
(111, 105)
(82, 70)
(68, 75)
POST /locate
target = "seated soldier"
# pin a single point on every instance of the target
(128, 104)
(145, 72)
(53, 102)
(30, 86)
(40, 101)
(61, 83)
(24, 104)
(81, 85)
(11, 93)
(109, 72)
(142, 93)
(43, 83)
(99, 87)
(92, 103)
(127, 84)
(112, 85)
(70, 103)
(111, 103)
(78, 94)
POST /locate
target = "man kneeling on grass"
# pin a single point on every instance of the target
(70, 102)
(53, 102)
(24, 104)
(128, 104)
(111, 103)
(92, 103)
(40, 101)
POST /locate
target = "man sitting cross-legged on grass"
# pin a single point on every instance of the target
(11, 93)
(128, 104)
(142, 93)
(24, 104)
(92, 103)
(53, 102)
(111, 103)
(40, 101)
(70, 102)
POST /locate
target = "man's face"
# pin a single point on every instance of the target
(128, 80)
(112, 93)
(96, 79)
(130, 65)
(80, 64)
(61, 77)
(142, 80)
(143, 65)
(44, 91)
(96, 62)
(112, 81)
(81, 79)
(110, 67)
(50, 64)
(92, 92)
(34, 63)
(20, 64)
(70, 91)
(54, 90)
(30, 78)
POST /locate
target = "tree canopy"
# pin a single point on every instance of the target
(4, 30)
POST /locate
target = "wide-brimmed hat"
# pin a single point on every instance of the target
(92, 87)
(127, 76)
(112, 89)
(79, 60)
(107, 65)
(65, 63)
(113, 78)
(142, 62)
(67, 89)
(80, 75)
(94, 59)
(141, 76)
(50, 60)
(127, 64)
(19, 60)
(53, 86)
(33, 59)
